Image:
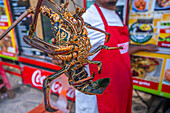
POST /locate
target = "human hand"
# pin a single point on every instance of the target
(149, 47)
(55, 60)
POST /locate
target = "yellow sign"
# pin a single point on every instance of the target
(149, 23)
(8, 43)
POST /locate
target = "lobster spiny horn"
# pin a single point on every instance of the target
(77, 10)
(82, 11)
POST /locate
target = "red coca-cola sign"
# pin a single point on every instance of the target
(35, 77)
(38, 78)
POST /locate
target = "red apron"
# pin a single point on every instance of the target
(117, 98)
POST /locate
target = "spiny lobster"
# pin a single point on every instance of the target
(72, 47)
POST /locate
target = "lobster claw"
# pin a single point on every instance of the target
(97, 87)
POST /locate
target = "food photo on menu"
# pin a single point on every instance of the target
(141, 31)
(164, 35)
(2, 9)
(162, 5)
(3, 16)
(6, 43)
(140, 5)
(146, 68)
(166, 79)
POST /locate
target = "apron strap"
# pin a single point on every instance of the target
(120, 19)
(101, 14)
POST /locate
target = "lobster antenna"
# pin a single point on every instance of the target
(75, 4)
(56, 6)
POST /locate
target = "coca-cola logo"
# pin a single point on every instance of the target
(37, 78)
(70, 93)
(56, 87)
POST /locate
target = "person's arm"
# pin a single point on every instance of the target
(149, 47)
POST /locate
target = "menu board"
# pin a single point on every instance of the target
(166, 77)
(17, 8)
(8, 47)
(149, 22)
(151, 73)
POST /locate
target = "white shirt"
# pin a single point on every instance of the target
(94, 19)
(88, 103)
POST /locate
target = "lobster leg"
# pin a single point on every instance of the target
(36, 45)
(36, 42)
(35, 38)
(82, 80)
(96, 29)
(104, 47)
(46, 89)
(99, 63)
(67, 57)
(79, 18)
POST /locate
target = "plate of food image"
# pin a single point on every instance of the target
(140, 32)
(138, 72)
(140, 5)
(145, 28)
(162, 4)
(145, 68)
(167, 76)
